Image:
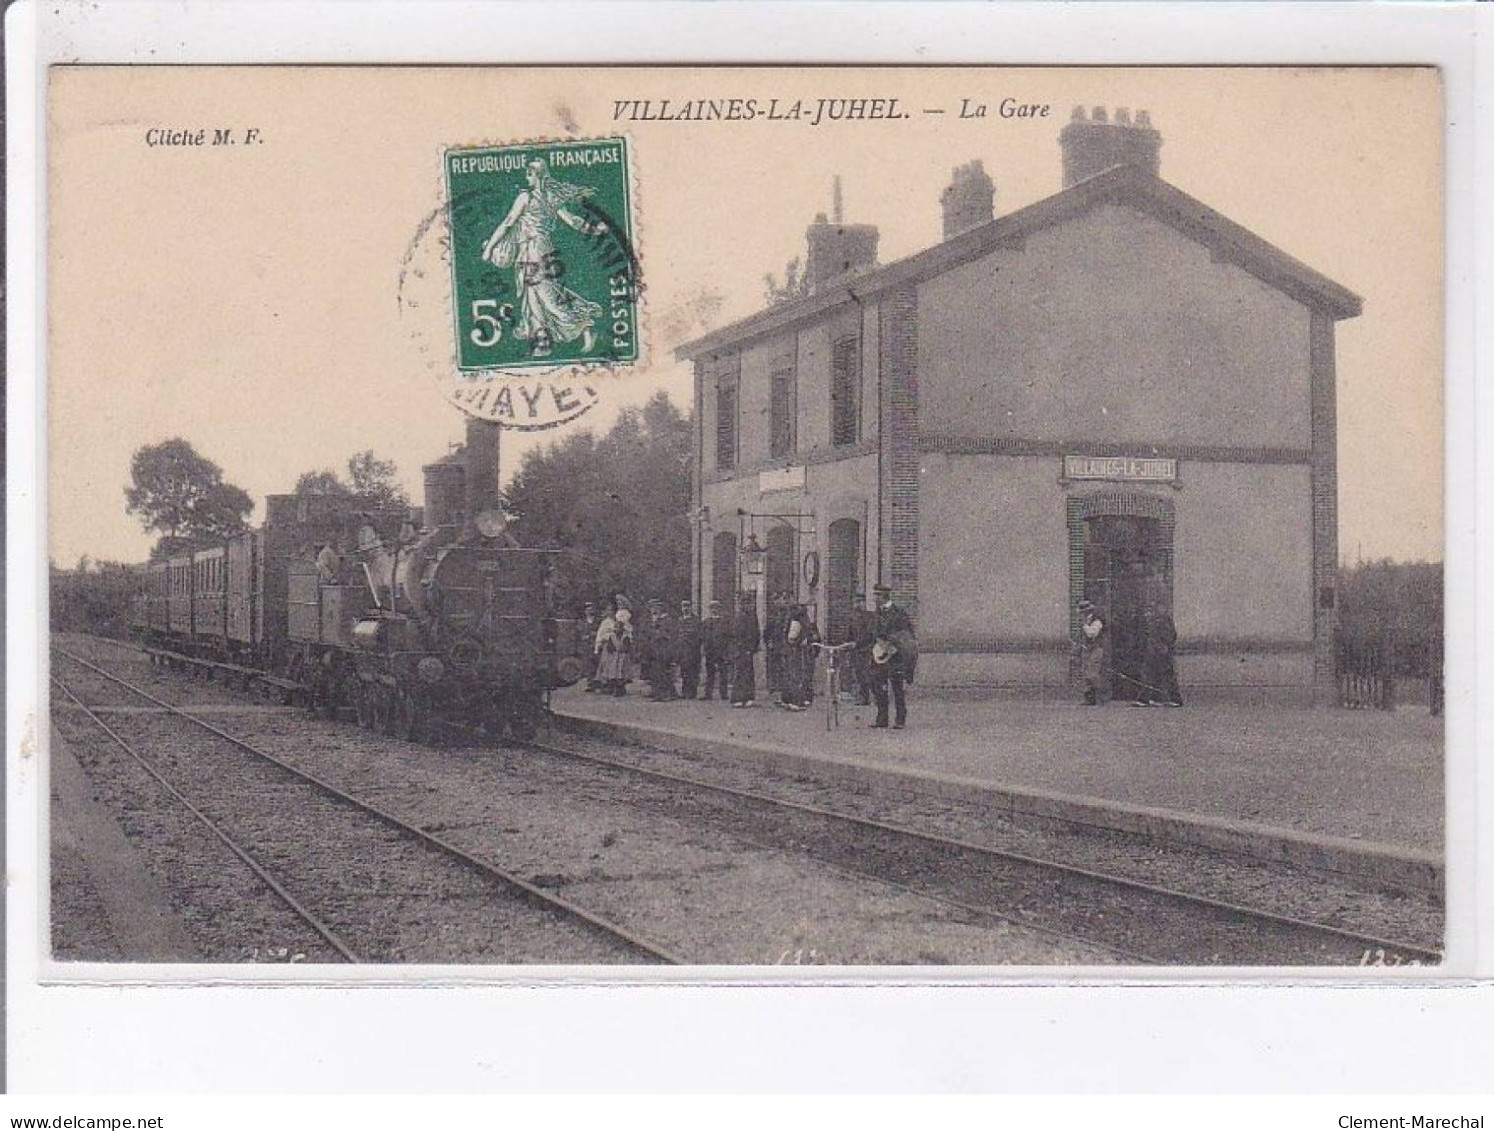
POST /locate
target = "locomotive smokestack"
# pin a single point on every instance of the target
(482, 466)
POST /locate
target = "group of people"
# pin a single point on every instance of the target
(1156, 682)
(670, 652)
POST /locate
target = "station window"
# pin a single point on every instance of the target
(845, 390)
(781, 441)
(726, 421)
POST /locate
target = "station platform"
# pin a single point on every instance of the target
(1357, 792)
(113, 908)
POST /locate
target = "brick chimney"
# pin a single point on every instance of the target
(836, 248)
(481, 458)
(969, 201)
(1093, 143)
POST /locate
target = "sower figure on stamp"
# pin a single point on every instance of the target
(589, 626)
(746, 639)
(863, 636)
(548, 312)
(894, 657)
(1091, 646)
(687, 641)
(716, 643)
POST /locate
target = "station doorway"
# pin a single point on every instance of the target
(1128, 575)
(724, 581)
(842, 578)
(782, 580)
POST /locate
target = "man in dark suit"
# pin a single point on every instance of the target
(1161, 658)
(775, 650)
(746, 639)
(687, 642)
(658, 654)
(894, 657)
(715, 633)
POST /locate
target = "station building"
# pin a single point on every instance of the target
(1114, 393)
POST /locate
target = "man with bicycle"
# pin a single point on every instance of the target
(863, 633)
(799, 638)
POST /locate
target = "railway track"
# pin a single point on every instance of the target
(1181, 927)
(1140, 922)
(615, 937)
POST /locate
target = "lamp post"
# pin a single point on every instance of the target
(754, 562)
(701, 520)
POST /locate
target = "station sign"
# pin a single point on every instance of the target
(1128, 468)
(781, 479)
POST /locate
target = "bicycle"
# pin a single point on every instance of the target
(832, 680)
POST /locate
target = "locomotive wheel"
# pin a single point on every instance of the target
(409, 719)
(388, 708)
(324, 698)
(348, 692)
(523, 727)
(363, 702)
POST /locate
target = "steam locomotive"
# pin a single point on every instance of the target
(409, 619)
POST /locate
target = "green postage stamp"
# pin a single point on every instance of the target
(544, 273)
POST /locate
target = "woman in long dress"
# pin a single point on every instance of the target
(614, 646)
(548, 311)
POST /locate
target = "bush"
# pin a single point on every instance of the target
(95, 600)
(1390, 616)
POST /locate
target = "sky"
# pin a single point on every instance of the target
(246, 298)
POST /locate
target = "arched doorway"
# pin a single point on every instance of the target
(782, 576)
(1120, 557)
(842, 578)
(724, 570)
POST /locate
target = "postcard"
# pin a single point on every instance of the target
(896, 517)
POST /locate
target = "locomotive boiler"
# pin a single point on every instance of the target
(410, 619)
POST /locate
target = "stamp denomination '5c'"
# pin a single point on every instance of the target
(543, 269)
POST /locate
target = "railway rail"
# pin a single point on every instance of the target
(1037, 893)
(301, 912)
(629, 941)
(1200, 930)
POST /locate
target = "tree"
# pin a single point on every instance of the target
(378, 479)
(181, 494)
(795, 284)
(221, 512)
(619, 505)
(1393, 607)
(324, 482)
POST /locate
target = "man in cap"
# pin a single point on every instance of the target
(715, 633)
(746, 639)
(658, 649)
(800, 637)
(590, 622)
(1160, 638)
(687, 642)
(1092, 644)
(894, 657)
